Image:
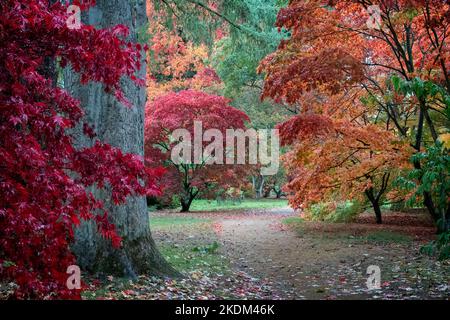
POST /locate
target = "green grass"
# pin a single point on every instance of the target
(186, 259)
(293, 221)
(190, 257)
(302, 228)
(386, 237)
(174, 221)
(247, 204)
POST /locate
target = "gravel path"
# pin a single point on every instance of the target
(325, 261)
(305, 267)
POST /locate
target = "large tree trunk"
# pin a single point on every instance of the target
(124, 128)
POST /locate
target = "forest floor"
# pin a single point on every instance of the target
(274, 254)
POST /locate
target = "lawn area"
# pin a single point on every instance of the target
(185, 251)
(192, 246)
(204, 258)
(246, 204)
(351, 232)
(166, 222)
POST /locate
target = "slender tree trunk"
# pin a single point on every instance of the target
(375, 204)
(186, 200)
(278, 192)
(185, 205)
(254, 184)
(427, 198)
(377, 209)
(446, 227)
(260, 187)
(124, 128)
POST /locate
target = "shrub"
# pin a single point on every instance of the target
(344, 211)
(317, 212)
(439, 247)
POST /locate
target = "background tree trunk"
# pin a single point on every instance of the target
(375, 201)
(278, 192)
(124, 128)
(185, 205)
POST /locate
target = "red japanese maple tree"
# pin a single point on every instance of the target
(179, 111)
(43, 177)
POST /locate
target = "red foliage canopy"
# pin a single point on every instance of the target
(180, 110)
(43, 178)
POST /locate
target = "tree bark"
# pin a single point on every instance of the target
(187, 198)
(278, 192)
(186, 205)
(124, 128)
(377, 209)
(258, 185)
(261, 186)
(375, 205)
(446, 227)
(427, 197)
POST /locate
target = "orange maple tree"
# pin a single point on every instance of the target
(353, 130)
(175, 63)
